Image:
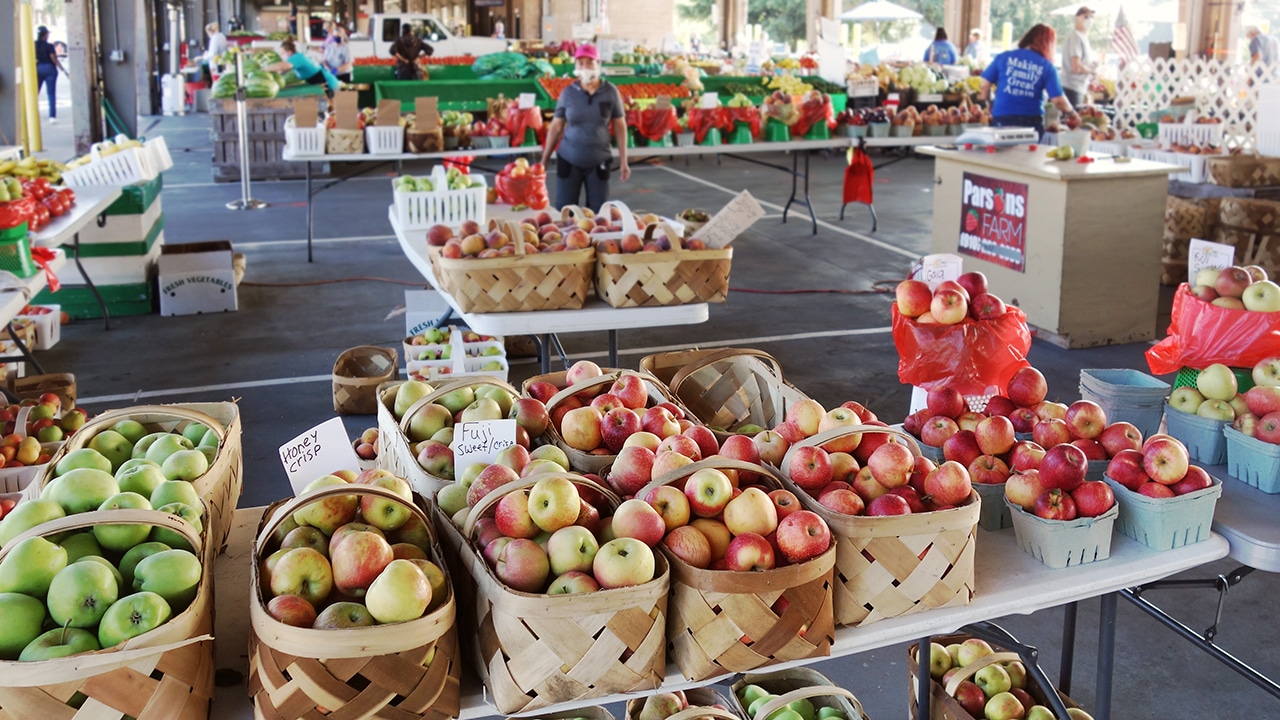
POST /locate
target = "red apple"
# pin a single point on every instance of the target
(988, 470)
(682, 444)
(1055, 504)
(937, 430)
(631, 470)
(660, 422)
(631, 390)
(995, 435)
(946, 401)
(962, 448)
(842, 501)
(1155, 490)
(1086, 419)
(949, 484)
(1232, 282)
(802, 535)
(1025, 455)
(1048, 433)
(1166, 461)
(1268, 428)
(1027, 387)
(784, 503)
(871, 441)
(914, 423)
(913, 298)
(749, 551)
(1024, 419)
(810, 468)
(999, 405)
(1092, 498)
(891, 465)
(1093, 450)
(843, 467)
(986, 307)
(1063, 467)
(1120, 436)
(912, 496)
(973, 282)
(888, 504)
(706, 440)
(770, 446)
(1024, 488)
(952, 286)
(1262, 399)
(1195, 479)
(1126, 469)
(949, 307)
(617, 425)
(969, 420)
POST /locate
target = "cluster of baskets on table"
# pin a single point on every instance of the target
(321, 140)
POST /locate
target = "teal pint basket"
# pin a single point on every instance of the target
(1126, 396)
(1202, 436)
(1166, 523)
(1253, 461)
(1064, 543)
(994, 514)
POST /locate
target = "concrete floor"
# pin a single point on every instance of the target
(274, 356)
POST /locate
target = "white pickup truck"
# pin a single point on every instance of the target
(384, 29)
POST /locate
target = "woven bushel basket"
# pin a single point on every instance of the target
(1184, 219)
(521, 282)
(942, 706)
(669, 277)
(722, 622)
(796, 684)
(536, 650)
(894, 565)
(424, 141)
(164, 674)
(1252, 227)
(580, 460)
(727, 388)
(394, 454)
(219, 486)
(357, 373)
(400, 670)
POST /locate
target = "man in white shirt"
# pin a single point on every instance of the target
(1078, 63)
(976, 49)
(1264, 49)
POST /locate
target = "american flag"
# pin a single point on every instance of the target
(1122, 42)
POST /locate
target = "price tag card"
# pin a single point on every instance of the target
(710, 101)
(741, 213)
(933, 269)
(481, 441)
(1204, 254)
(662, 102)
(388, 113)
(305, 114)
(428, 113)
(525, 101)
(318, 451)
(347, 106)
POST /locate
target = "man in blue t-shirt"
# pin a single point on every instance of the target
(1022, 78)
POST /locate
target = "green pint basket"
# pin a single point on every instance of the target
(741, 134)
(15, 253)
(775, 131)
(712, 137)
(1253, 461)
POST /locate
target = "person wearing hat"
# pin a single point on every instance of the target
(47, 69)
(586, 112)
(406, 50)
(1078, 63)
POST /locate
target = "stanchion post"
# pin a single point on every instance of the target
(246, 202)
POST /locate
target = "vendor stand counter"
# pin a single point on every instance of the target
(91, 202)
(595, 314)
(1075, 245)
(1009, 581)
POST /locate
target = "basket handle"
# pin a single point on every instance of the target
(373, 349)
(837, 433)
(447, 388)
(628, 217)
(288, 509)
(502, 491)
(807, 692)
(173, 410)
(719, 355)
(968, 671)
(665, 229)
(572, 212)
(123, 516)
(715, 463)
(608, 377)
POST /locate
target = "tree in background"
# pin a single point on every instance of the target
(784, 20)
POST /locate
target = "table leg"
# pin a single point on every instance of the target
(923, 647)
(613, 348)
(24, 351)
(1068, 647)
(106, 314)
(1106, 656)
(544, 353)
(309, 214)
(795, 175)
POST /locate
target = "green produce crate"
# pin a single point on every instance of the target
(712, 137)
(839, 102)
(135, 199)
(15, 253)
(450, 72)
(372, 73)
(717, 83)
(122, 300)
(301, 91)
(1187, 378)
(460, 95)
(120, 249)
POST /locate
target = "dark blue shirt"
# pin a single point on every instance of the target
(45, 54)
(1022, 78)
(942, 52)
(587, 118)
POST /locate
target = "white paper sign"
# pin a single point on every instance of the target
(934, 269)
(710, 101)
(481, 441)
(733, 219)
(831, 61)
(525, 101)
(318, 451)
(1204, 254)
(829, 29)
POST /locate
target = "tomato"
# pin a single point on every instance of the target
(68, 195)
(42, 216)
(42, 187)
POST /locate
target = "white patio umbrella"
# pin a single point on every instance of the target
(879, 10)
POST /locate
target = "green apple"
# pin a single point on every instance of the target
(172, 491)
(50, 434)
(163, 447)
(452, 498)
(384, 513)
(470, 473)
(142, 478)
(173, 575)
(119, 538)
(195, 432)
(408, 393)
(552, 453)
(760, 702)
(429, 420)
(185, 465)
(133, 463)
(210, 454)
(482, 409)
(287, 526)
(785, 713)
(30, 567)
(751, 693)
(443, 436)
(400, 593)
(59, 643)
(344, 615)
(80, 595)
(456, 400)
(330, 513)
(82, 458)
(23, 617)
(803, 707)
(132, 616)
(141, 447)
(830, 712)
(171, 537)
(80, 545)
(135, 555)
(303, 572)
(27, 515)
(210, 440)
(498, 395)
(113, 446)
(132, 430)
(115, 572)
(81, 489)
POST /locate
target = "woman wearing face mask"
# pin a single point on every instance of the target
(586, 112)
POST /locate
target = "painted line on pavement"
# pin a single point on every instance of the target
(261, 244)
(327, 377)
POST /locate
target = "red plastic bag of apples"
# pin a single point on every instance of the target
(653, 123)
(972, 356)
(816, 108)
(521, 183)
(1201, 334)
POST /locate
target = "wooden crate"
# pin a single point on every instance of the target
(266, 121)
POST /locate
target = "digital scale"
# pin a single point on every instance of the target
(999, 136)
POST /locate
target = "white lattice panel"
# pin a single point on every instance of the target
(1226, 91)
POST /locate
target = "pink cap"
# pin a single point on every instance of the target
(587, 51)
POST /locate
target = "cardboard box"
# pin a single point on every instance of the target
(423, 308)
(197, 278)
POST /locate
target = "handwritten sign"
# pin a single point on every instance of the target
(1204, 254)
(347, 106)
(305, 114)
(733, 219)
(525, 101)
(481, 441)
(829, 30)
(427, 114)
(318, 451)
(710, 101)
(662, 102)
(934, 269)
(388, 113)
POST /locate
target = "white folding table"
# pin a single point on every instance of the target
(91, 202)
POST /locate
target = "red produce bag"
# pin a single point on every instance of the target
(17, 212)
(748, 115)
(517, 120)
(461, 162)
(974, 357)
(1202, 333)
(529, 189)
(704, 120)
(813, 112)
(653, 123)
(859, 177)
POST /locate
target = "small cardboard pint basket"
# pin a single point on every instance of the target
(799, 683)
(942, 705)
(726, 388)
(394, 445)
(533, 650)
(165, 673)
(678, 276)
(899, 564)
(219, 486)
(584, 461)
(1064, 543)
(402, 670)
(357, 373)
(520, 282)
(702, 704)
(722, 622)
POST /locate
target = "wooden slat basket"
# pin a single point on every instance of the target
(357, 373)
(219, 486)
(942, 705)
(704, 702)
(520, 282)
(166, 673)
(894, 565)
(797, 684)
(400, 670)
(722, 622)
(678, 276)
(726, 388)
(535, 650)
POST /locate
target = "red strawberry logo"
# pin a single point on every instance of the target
(999, 202)
(971, 221)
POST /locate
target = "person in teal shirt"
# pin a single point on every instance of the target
(308, 70)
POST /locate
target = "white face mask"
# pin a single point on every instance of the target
(587, 75)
